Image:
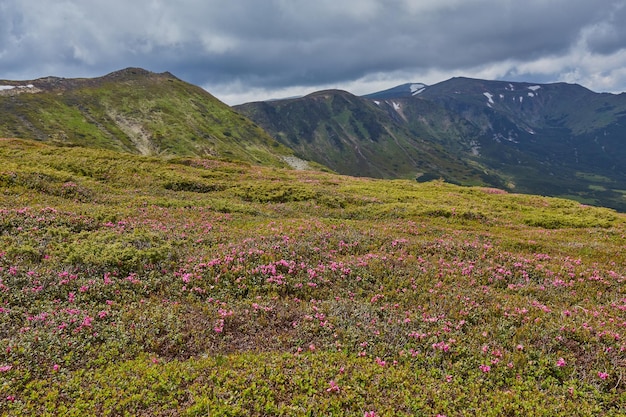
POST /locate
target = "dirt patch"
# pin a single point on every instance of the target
(296, 163)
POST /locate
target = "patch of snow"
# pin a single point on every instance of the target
(531, 94)
(489, 97)
(475, 148)
(521, 99)
(396, 106)
(511, 87)
(501, 96)
(377, 102)
(499, 137)
(6, 87)
(417, 88)
(534, 87)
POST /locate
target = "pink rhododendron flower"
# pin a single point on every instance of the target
(333, 387)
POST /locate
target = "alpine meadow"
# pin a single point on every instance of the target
(161, 254)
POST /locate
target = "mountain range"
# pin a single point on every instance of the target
(549, 139)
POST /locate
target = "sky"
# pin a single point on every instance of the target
(249, 50)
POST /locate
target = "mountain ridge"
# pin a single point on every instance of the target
(137, 111)
(554, 139)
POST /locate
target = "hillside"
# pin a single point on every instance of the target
(133, 110)
(354, 136)
(140, 285)
(548, 139)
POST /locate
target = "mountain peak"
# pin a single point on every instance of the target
(129, 72)
(328, 93)
(135, 72)
(400, 91)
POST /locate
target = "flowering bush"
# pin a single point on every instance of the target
(123, 293)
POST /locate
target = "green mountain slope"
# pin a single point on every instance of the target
(136, 111)
(149, 286)
(549, 139)
(552, 139)
(359, 137)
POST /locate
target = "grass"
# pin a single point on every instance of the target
(136, 285)
(142, 113)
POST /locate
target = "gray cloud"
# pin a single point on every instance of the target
(279, 44)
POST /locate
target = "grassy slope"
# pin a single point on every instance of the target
(135, 285)
(137, 111)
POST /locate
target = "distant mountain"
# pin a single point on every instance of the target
(401, 91)
(551, 139)
(136, 111)
(361, 137)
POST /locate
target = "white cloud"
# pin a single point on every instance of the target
(290, 47)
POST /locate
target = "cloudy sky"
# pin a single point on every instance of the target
(245, 50)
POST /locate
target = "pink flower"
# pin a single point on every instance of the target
(219, 327)
(560, 362)
(370, 414)
(5, 368)
(485, 368)
(333, 387)
(380, 361)
(312, 347)
(55, 367)
(603, 375)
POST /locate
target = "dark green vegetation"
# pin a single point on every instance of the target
(138, 285)
(136, 111)
(549, 139)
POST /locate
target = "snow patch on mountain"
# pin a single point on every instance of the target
(534, 87)
(395, 105)
(417, 88)
(12, 90)
(489, 97)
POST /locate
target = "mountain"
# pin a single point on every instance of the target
(401, 91)
(133, 110)
(550, 139)
(361, 137)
